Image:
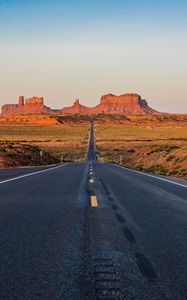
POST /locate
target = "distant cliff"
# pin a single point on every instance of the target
(76, 108)
(26, 106)
(109, 104)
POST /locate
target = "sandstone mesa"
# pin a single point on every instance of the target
(130, 103)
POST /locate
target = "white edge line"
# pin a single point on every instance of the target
(149, 175)
(28, 167)
(31, 174)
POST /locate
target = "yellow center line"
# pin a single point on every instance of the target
(94, 202)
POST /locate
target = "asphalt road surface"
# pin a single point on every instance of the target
(92, 231)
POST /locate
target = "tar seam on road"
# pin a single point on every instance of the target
(149, 175)
(31, 174)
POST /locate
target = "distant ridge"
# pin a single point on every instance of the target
(130, 103)
(111, 104)
(26, 106)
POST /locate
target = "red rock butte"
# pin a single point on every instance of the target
(25, 106)
(109, 104)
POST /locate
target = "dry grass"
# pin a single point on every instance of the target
(160, 149)
(122, 133)
(17, 154)
(155, 147)
(68, 141)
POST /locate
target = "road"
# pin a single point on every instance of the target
(92, 231)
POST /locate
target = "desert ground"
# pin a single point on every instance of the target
(156, 144)
(62, 141)
(161, 150)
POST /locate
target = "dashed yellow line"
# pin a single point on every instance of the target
(94, 202)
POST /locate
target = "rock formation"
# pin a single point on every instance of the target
(127, 103)
(76, 108)
(109, 104)
(26, 106)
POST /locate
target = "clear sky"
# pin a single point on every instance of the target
(62, 49)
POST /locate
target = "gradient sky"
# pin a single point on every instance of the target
(62, 49)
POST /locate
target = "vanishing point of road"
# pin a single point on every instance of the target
(92, 231)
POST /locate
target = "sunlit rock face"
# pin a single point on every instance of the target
(25, 106)
(127, 103)
(109, 104)
(76, 108)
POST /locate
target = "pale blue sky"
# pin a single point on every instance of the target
(77, 48)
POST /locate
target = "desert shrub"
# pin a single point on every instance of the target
(29, 157)
(157, 168)
(131, 150)
(33, 148)
(181, 159)
(139, 167)
(183, 172)
(11, 153)
(170, 157)
(174, 171)
(176, 160)
(128, 166)
(165, 147)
